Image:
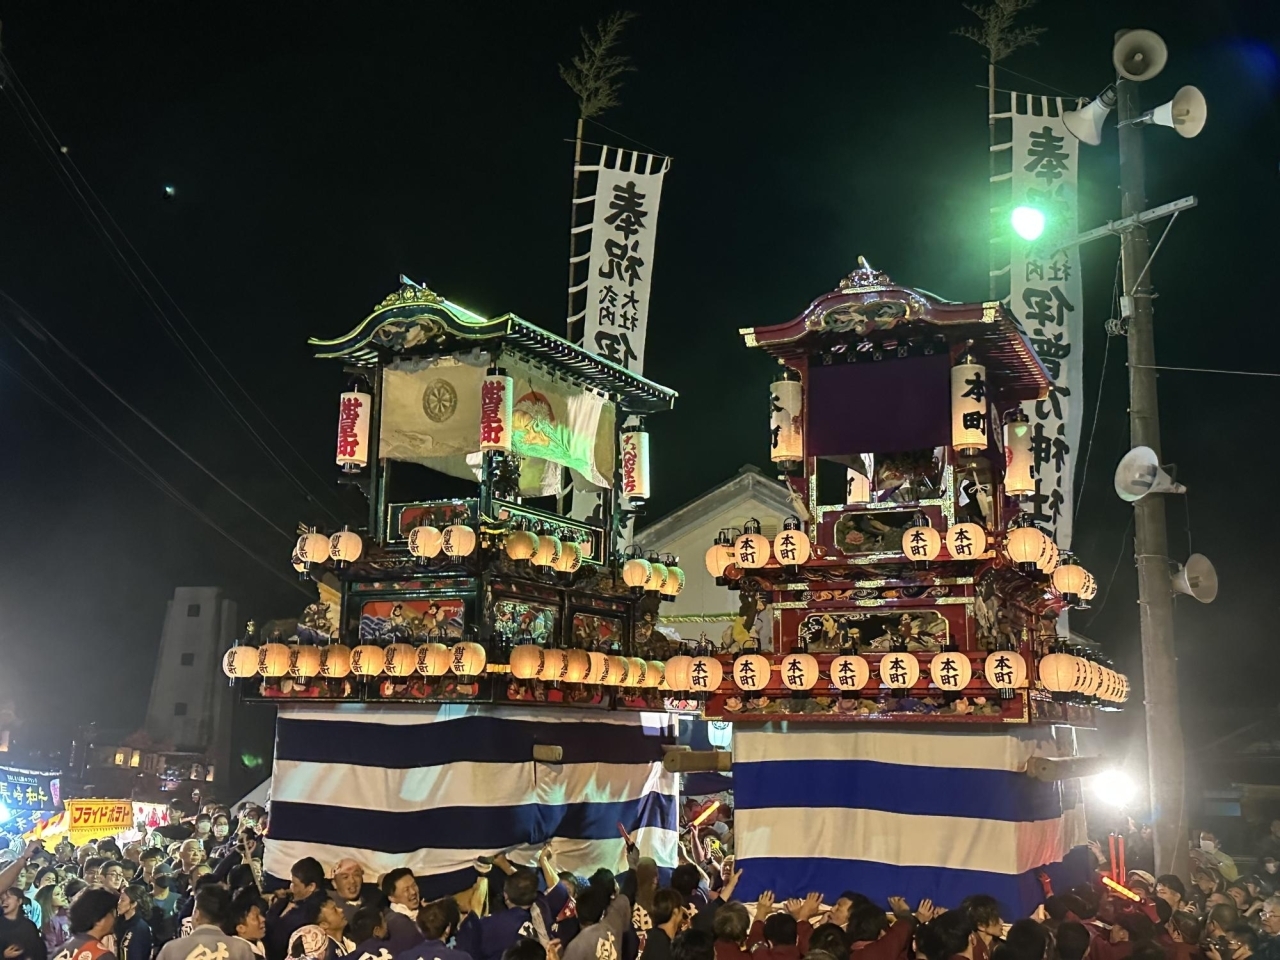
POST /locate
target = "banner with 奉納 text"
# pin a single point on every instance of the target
(620, 267)
(1045, 294)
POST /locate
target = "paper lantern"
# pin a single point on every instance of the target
(1005, 669)
(335, 661)
(497, 393)
(719, 555)
(425, 541)
(353, 430)
(1060, 672)
(751, 671)
(857, 487)
(466, 659)
(304, 661)
(433, 659)
(548, 552)
(634, 455)
(619, 674)
(657, 582)
(1123, 694)
(368, 660)
(570, 558)
(653, 671)
(577, 663)
(705, 674)
(1069, 580)
(636, 572)
(677, 673)
(554, 665)
(637, 672)
(850, 673)
(312, 548)
(521, 544)
(675, 582)
(273, 660)
(966, 541)
(786, 421)
(969, 407)
(921, 543)
(240, 662)
(1024, 546)
(1090, 589)
(751, 550)
(1047, 562)
(401, 659)
(345, 547)
(526, 661)
(950, 671)
(459, 540)
(799, 671)
(899, 671)
(298, 563)
(1019, 460)
(597, 668)
(1093, 679)
(792, 546)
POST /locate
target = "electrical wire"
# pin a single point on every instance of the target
(1124, 539)
(42, 133)
(619, 133)
(1097, 402)
(144, 470)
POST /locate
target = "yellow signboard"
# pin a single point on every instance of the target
(93, 819)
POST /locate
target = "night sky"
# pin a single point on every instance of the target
(317, 151)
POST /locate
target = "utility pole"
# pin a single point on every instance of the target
(1166, 758)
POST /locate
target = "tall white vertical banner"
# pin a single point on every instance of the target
(1046, 296)
(620, 269)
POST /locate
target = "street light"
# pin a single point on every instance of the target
(1114, 788)
(1028, 222)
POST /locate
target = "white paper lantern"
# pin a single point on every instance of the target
(751, 550)
(497, 393)
(675, 581)
(345, 547)
(597, 667)
(240, 662)
(298, 563)
(353, 430)
(751, 672)
(401, 659)
(273, 660)
(657, 582)
(705, 674)
(857, 487)
(950, 671)
(1093, 679)
(1090, 589)
(459, 540)
(850, 673)
(969, 407)
(433, 659)
(312, 548)
(799, 671)
(966, 541)
(636, 572)
(637, 672)
(335, 661)
(576, 665)
(1024, 546)
(786, 422)
(653, 674)
(619, 674)
(425, 541)
(634, 453)
(1061, 672)
(304, 661)
(676, 673)
(899, 671)
(521, 544)
(1005, 669)
(1049, 557)
(526, 661)
(719, 555)
(467, 659)
(367, 660)
(921, 543)
(570, 558)
(555, 665)
(548, 552)
(792, 546)
(1069, 580)
(1019, 459)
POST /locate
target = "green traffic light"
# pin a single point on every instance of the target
(1028, 222)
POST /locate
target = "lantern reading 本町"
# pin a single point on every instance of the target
(467, 659)
(921, 543)
(850, 673)
(968, 406)
(424, 541)
(751, 672)
(1061, 672)
(1005, 670)
(548, 552)
(705, 674)
(553, 667)
(634, 455)
(273, 660)
(433, 659)
(526, 661)
(799, 671)
(240, 662)
(1019, 459)
(899, 671)
(368, 660)
(677, 673)
(353, 430)
(459, 540)
(792, 546)
(497, 393)
(636, 572)
(345, 547)
(312, 547)
(752, 548)
(401, 659)
(570, 558)
(304, 661)
(950, 671)
(786, 423)
(966, 541)
(335, 661)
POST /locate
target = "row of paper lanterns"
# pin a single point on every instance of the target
(1065, 673)
(542, 550)
(345, 547)
(653, 576)
(1006, 669)
(752, 549)
(337, 660)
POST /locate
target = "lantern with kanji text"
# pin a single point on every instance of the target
(751, 672)
(335, 661)
(799, 671)
(950, 671)
(466, 659)
(850, 673)
(899, 671)
(792, 546)
(752, 548)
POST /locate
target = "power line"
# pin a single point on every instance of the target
(1234, 373)
(1097, 403)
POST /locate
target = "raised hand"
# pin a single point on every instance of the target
(899, 907)
(807, 908)
(764, 906)
(726, 892)
(924, 912)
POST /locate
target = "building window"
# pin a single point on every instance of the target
(136, 758)
(119, 758)
(188, 659)
(193, 609)
(179, 709)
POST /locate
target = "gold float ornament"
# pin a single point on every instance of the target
(467, 659)
(950, 671)
(1005, 669)
(304, 661)
(899, 671)
(850, 673)
(799, 671)
(425, 541)
(433, 659)
(969, 406)
(367, 660)
(459, 540)
(751, 550)
(751, 672)
(653, 674)
(1019, 458)
(400, 660)
(1061, 672)
(526, 661)
(570, 558)
(705, 675)
(273, 660)
(240, 661)
(521, 544)
(921, 542)
(548, 552)
(555, 664)
(677, 673)
(345, 547)
(792, 546)
(335, 661)
(966, 541)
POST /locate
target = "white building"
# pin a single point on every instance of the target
(688, 531)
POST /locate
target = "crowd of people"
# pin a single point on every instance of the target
(195, 890)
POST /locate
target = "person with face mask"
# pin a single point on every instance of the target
(220, 843)
(165, 903)
(1210, 854)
